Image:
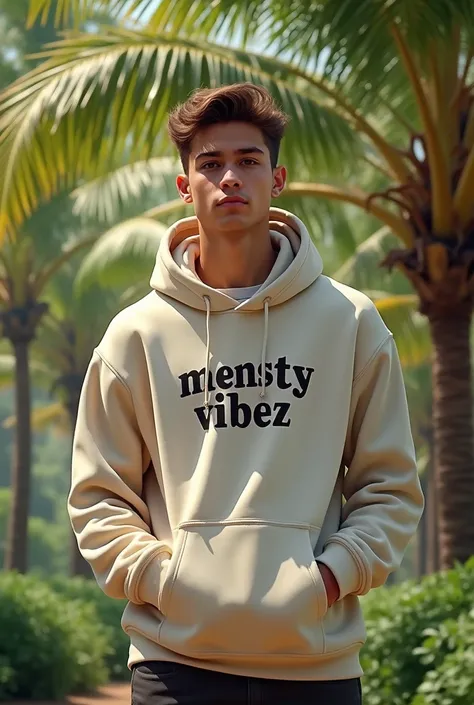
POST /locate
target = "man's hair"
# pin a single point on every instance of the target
(238, 102)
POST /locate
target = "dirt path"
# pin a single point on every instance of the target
(110, 695)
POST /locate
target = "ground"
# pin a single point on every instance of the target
(110, 695)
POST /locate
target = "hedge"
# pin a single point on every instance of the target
(406, 626)
(64, 636)
(51, 646)
(109, 612)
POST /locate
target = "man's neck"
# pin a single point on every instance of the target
(235, 260)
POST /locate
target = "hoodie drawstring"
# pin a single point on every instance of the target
(208, 350)
(263, 375)
(264, 348)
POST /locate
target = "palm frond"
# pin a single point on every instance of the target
(409, 328)
(167, 213)
(98, 95)
(61, 10)
(391, 293)
(68, 252)
(386, 303)
(349, 40)
(362, 269)
(124, 254)
(106, 197)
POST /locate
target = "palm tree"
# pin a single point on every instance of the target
(61, 352)
(27, 264)
(383, 84)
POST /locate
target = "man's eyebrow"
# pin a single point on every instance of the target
(243, 150)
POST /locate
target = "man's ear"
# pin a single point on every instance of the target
(279, 180)
(184, 189)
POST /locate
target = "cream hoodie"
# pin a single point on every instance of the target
(204, 494)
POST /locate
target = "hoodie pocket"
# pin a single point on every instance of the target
(243, 589)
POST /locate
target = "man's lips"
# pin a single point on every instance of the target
(233, 201)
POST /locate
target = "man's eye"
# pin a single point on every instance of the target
(249, 161)
(208, 165)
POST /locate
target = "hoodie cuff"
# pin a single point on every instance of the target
(343, 565)
(149, 585)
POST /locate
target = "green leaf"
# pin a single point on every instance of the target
(107, 196)
(361, 269)
(409, 328)
(392, 295)
(62, 11)
(349, 40)
(122, 254)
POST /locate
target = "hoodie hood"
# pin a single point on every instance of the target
(297, 266)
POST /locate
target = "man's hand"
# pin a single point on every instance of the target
(330, 583)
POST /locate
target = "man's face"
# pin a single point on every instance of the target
(231, 181)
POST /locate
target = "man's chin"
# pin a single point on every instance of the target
(234, 221)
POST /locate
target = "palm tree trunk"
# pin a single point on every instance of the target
(453, 429)
(16, 554)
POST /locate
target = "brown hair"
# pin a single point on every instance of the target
(238, 102)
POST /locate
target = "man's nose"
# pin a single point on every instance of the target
(231, 180)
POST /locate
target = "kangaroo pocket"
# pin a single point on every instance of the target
(243, 589)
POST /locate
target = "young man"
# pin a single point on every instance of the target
(243, 464)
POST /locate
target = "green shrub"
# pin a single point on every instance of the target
(449, 652)
(397, 619)
(50, 646)
(109, 612)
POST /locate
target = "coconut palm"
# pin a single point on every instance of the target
(61, 352)
(384, 84)
(27, 264)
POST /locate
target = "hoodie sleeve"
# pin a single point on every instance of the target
(110, 520)
(384, 501)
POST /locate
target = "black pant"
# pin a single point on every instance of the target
(165, 683)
